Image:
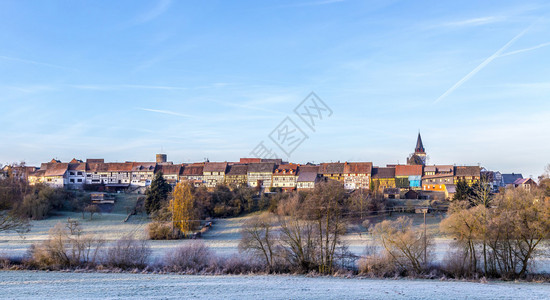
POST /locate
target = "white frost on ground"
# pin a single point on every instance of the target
(56, 285)
(223, 238)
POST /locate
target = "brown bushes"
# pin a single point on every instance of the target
(192, 257)
(501, 239)
(63, 249)
(128, 253)
(158, 230)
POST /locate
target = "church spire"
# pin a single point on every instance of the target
(419, 146)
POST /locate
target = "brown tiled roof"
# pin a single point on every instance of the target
(437, 176)
(288, 169)
(109, 167)
(235, 170)
(444, 168)
(261, 168)
(358, 168)
(383, 172)
(277, 161)
(192, 170)
(331, 168)
(408, 170)
(75, 161)
(308, 169)
(250, 160)
(215, 167)
(169, 169)
(95, 160)
(144, 166)
(38, 173)
(430, 169)
(467, 171)
(77, 166)
(57, 169)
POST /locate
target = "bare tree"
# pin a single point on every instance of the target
(92, 209)
(509, 233)
(324, 206)
(259, 238)
(12, 222)
(403, 244)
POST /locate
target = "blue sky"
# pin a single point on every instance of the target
(124, 80)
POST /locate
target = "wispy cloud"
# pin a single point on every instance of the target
(475, 21)
(481, 66)
(27, 61)
(166, 112)
(161, 7)
(525, 49)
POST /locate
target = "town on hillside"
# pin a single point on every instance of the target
(414, 180)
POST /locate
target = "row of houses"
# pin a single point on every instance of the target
(264, 174)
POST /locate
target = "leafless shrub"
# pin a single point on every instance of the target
(455, 264)
(192, 257)
(63, 249)
(128, 252)
(239, 264)
(405, 247)
(158, 230)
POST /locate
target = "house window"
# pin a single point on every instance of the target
(79, 180)
(79, 173)
(72, 180)
(72, 173)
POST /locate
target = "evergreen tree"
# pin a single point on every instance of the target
(463, 190)
(157, 192)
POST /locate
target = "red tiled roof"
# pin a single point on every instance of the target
(408, 170)
(193, 169)
(288, 169)
(250, 160)
(169, 169)
(95, 160)
(144, 166)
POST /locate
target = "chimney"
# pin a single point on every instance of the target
(161, 158)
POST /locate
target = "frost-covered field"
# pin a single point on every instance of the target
(222, 239)
(55, 285)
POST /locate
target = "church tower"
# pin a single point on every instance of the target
(419, 155)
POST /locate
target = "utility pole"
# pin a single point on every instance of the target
(424, 211)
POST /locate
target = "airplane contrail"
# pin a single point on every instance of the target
(525, 49)
(481, 66)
